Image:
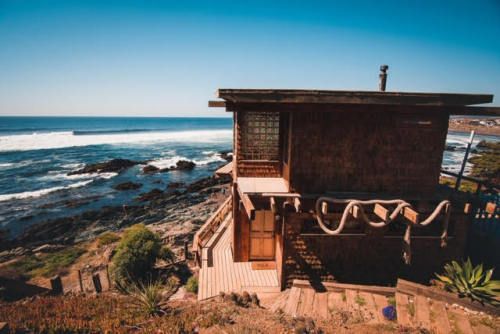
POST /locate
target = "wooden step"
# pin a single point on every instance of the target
(292, 303)
(402, 310)
(380, 303)
(306, 302)
(320, 304)
(336, 302)
(370, 311)
(439, 318)
(460, 322)
(422, 312)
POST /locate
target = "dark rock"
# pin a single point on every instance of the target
(226, 155)
(204, 183)
(180, 165)
(127, 186)
(111, 166)
(149, 169)
(150, 195)
(176, 184)
(184, 165)
(449, 148)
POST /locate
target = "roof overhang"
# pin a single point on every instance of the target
(350, 97)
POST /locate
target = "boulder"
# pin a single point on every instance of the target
(226, 155)
(127, 186)
(111, 166)
(150, 169)
(184, 165)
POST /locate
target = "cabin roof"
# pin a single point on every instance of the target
(350, 97)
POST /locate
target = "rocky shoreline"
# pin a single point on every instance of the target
(175, 211)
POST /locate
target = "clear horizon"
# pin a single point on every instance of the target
(166, 59)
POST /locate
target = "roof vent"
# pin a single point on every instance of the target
(382, 78)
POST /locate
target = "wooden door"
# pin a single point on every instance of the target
(262, 236)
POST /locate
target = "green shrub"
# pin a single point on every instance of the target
(107, 238)
(48, 264)
(137, 253)
(192, 284)
(474, 283)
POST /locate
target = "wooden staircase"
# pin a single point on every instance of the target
(364, 304)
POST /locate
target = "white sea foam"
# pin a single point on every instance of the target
(53, 140)
(53, 175)
(41, 192)
(210, 159)
(167, 162)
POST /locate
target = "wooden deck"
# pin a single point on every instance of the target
(228, 276)
(257, 185)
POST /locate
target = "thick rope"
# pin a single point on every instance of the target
(401, 205)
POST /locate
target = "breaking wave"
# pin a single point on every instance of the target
(53, 140)
(41, 192)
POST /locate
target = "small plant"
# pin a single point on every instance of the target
(146, 297)
(192, 284)
(360, 300)
(107, 238)
(470, 282)
(391, 300)
(344, 298)
(255, 299)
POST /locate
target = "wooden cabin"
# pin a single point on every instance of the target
(334, 186)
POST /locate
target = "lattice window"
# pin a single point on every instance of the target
(260, 136)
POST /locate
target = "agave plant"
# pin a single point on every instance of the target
(146, 297)
(474, 283)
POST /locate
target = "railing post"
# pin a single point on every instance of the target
(459, 178)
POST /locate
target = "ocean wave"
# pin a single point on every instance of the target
(110, 132)
(42, 192)
(55, 140)
(167, 162)
(53, 175)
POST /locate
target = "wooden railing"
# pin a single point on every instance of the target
(210, 227)
(480, 183)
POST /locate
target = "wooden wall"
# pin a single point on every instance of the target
(367, 150)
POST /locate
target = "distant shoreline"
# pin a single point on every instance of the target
(489, 126)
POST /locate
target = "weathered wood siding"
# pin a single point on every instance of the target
(380, 151)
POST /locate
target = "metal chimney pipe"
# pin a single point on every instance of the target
(382, 78)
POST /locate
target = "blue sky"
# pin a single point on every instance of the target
(161, 58)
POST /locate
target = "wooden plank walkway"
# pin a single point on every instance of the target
(229, 276)
(413, 311)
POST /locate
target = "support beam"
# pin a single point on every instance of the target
(297, 204)
(324, 208)
(355, 212)
(382, 212)
(247, 204)
(272, 204)
(411, 215)
(490, 208)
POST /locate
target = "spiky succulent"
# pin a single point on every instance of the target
(474, 283)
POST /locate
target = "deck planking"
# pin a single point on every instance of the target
(229, 276)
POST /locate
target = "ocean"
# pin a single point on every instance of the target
(37, 153)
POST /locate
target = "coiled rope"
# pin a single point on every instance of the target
(401, 205)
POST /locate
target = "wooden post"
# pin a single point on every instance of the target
(459, 178)
(186, 252)
(110, 285)
(56, 285)
(80, 280)
(97, 283)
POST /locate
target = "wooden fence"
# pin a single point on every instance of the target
(210, 227)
